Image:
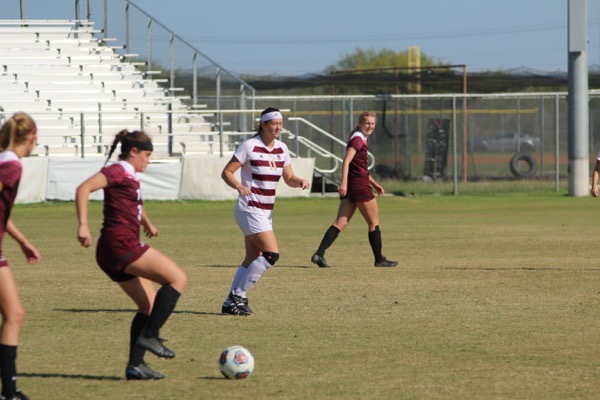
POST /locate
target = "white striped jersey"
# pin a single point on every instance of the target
(261, 170)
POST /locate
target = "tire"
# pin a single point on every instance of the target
(527, 159)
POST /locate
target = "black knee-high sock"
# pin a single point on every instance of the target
(164, 304)
(328, 239)
(375, 242)
(136, 353)
(8, 369)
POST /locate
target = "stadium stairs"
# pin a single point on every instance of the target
(81, 92)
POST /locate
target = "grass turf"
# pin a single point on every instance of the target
(495, 297)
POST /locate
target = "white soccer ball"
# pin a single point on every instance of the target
(236, 362)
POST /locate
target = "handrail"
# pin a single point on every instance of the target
(370, 155)
(317, 149)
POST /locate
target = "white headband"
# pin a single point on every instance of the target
(271, 115)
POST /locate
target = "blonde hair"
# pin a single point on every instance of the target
(16, 130)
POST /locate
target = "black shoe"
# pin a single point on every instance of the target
(320, 261)
(155, 346)
(16, 396)
(141, 372)
(236, 305)
(385, 263)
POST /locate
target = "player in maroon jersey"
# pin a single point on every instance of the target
(263, 160)
(17, 139)
(355, 192)
(120, 254)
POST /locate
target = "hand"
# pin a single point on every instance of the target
(31, 253)
(595, 191)
(244, 191)
(150, 231)
(343, 189)
(380, 190)
(84, 237)
(304, 184)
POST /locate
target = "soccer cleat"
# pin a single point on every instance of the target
(141, 372)
(155, 346)
(320, 261)
(385, 263)
(236, 305)
(16, 396)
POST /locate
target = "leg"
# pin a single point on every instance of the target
(12, 318)
(264, 246)
(370, 213)
(155, 266)
(345, 212)
(142, 292)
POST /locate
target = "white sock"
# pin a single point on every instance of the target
(255, 270)
(237, 280)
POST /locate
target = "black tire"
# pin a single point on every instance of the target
(527, 159)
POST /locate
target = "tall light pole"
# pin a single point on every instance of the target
(578, 108)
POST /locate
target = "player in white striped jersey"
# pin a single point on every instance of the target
(263, 160)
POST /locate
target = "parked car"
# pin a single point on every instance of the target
(507, 141)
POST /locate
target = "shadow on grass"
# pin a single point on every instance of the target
(235, 266)
(70, 376)
(108, 310)
(520, 269)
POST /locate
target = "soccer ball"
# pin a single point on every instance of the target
(236, 362)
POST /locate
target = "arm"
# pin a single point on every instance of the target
(149, 229)
(595, 175)
(82, 195)
(350, 153)
(227, 175)
(292, 180)
(376, 185)
(31, 253)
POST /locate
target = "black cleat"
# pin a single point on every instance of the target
(236, 305)
(16, 396)
(320, 261)
(155, 346)
(141, 372)
(385, 263)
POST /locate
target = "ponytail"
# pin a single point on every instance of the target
(16, 130)
(129, 140)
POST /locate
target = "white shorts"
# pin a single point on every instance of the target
(251, 223)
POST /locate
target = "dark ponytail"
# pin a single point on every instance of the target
(129, 140)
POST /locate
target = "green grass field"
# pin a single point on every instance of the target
(495, 297)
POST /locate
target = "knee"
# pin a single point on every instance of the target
(181, 281)
(341, 225)
(14, 316)
(271, 257)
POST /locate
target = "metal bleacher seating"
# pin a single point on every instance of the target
(81, 92)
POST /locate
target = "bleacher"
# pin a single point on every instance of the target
(81, 92)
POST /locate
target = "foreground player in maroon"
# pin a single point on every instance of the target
(120, 254)
(17, 139)
(355, 192)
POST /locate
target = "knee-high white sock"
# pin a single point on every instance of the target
(237, 278)
(255, 270)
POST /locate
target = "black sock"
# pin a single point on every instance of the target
(328, 239)
(8, 369)
(136, 353)
(164, 304)
(375, 242)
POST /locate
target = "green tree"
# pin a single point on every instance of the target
(384, 58)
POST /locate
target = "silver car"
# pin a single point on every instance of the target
(508, 141)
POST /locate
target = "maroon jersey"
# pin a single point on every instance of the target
(119, 243)
(359, 188)
(122, 201)
(10, 175)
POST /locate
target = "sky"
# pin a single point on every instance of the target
(307, 36)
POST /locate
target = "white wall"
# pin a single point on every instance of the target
(192, 177)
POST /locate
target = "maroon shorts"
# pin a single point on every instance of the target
(359, 191)
(113, 254)
(3, 260)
